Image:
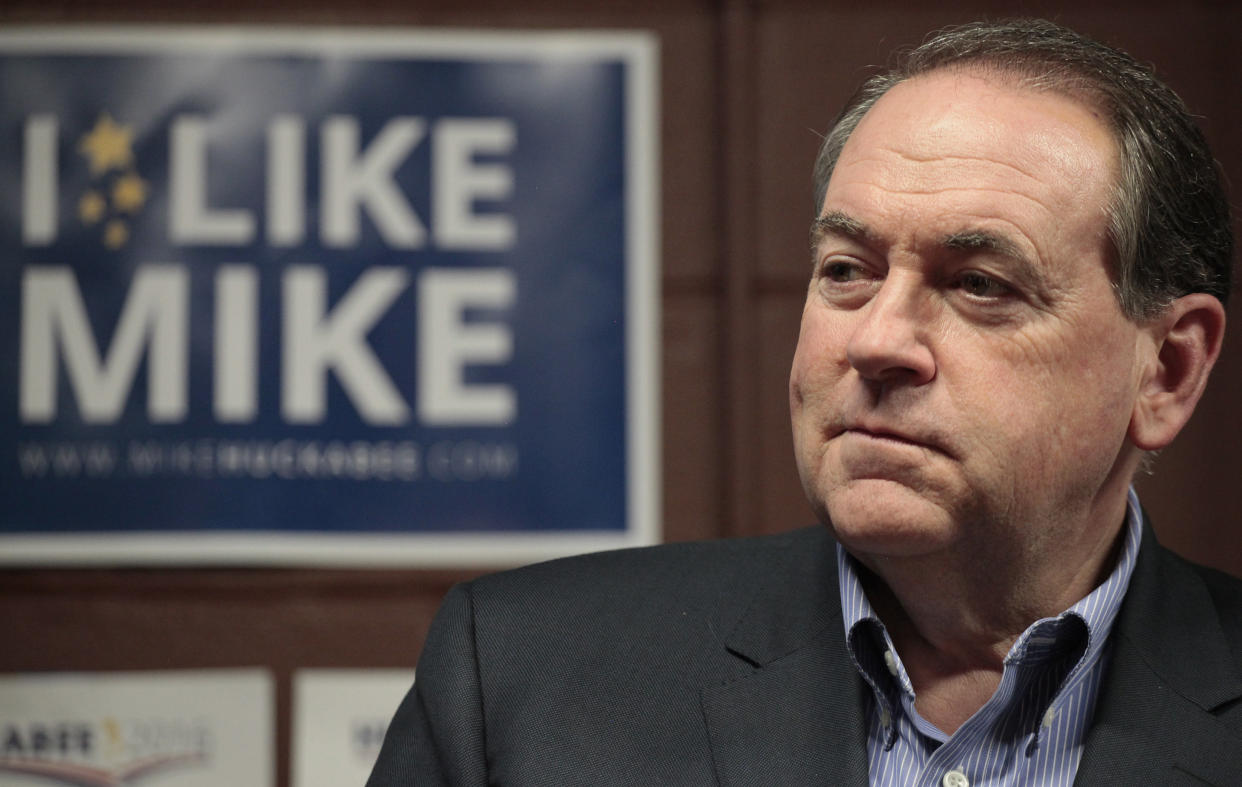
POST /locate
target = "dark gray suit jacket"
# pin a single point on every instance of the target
(725, 663)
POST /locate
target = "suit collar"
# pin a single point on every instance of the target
(793, 602)
(1172, 665)
(1171, 622)
(795, 715)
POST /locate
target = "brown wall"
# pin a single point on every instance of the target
(745, 88)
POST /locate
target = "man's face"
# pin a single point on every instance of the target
(964, 375)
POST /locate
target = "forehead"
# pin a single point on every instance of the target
(960, 142)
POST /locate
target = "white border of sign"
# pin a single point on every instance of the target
(639, 51)
(149, 714)
(326, 704)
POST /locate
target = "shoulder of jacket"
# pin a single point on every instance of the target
(1226, 592)
(684, 570)
(692, 556)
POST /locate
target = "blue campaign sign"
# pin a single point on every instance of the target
(348, 297)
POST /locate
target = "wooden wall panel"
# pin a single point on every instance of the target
(694, 418)
(782, 501)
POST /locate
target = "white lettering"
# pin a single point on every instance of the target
(316, 342)
(39, 179)
(236, 393)
(349, 181)
(155, 315)
(191, 220)
(459, 181)
(286, 181)
(471, 461)
(446, 344)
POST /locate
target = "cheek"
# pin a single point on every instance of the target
(820, 353)
(805, 397)
(814, 375)
(806, 358)
(1060, 402)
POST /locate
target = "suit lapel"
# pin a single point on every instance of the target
(794, 716)
(790, 709)
(797, 721)
(1171, 667)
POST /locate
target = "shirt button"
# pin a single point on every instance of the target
(955, 779)
(890, 661)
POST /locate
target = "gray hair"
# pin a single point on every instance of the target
(1169, 219)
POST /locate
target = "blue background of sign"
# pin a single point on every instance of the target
(568, 319)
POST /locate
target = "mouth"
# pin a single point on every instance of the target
(886, 435)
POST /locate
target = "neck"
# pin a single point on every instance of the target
(954, 615)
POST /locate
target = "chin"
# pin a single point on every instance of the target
(886, 518)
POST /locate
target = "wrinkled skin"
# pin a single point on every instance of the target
(964, 379)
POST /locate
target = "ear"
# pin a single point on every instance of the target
(1186, 342)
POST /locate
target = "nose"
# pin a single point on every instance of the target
(889, 343)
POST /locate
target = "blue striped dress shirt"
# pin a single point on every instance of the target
(1031, 731)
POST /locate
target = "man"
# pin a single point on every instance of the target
(1019, 267)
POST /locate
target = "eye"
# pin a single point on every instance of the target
(978, 285)
(845, 282)
(843, 271)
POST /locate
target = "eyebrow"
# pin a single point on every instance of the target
(835, 222)
(981, 240)
(842, 224)
(1020, 263)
